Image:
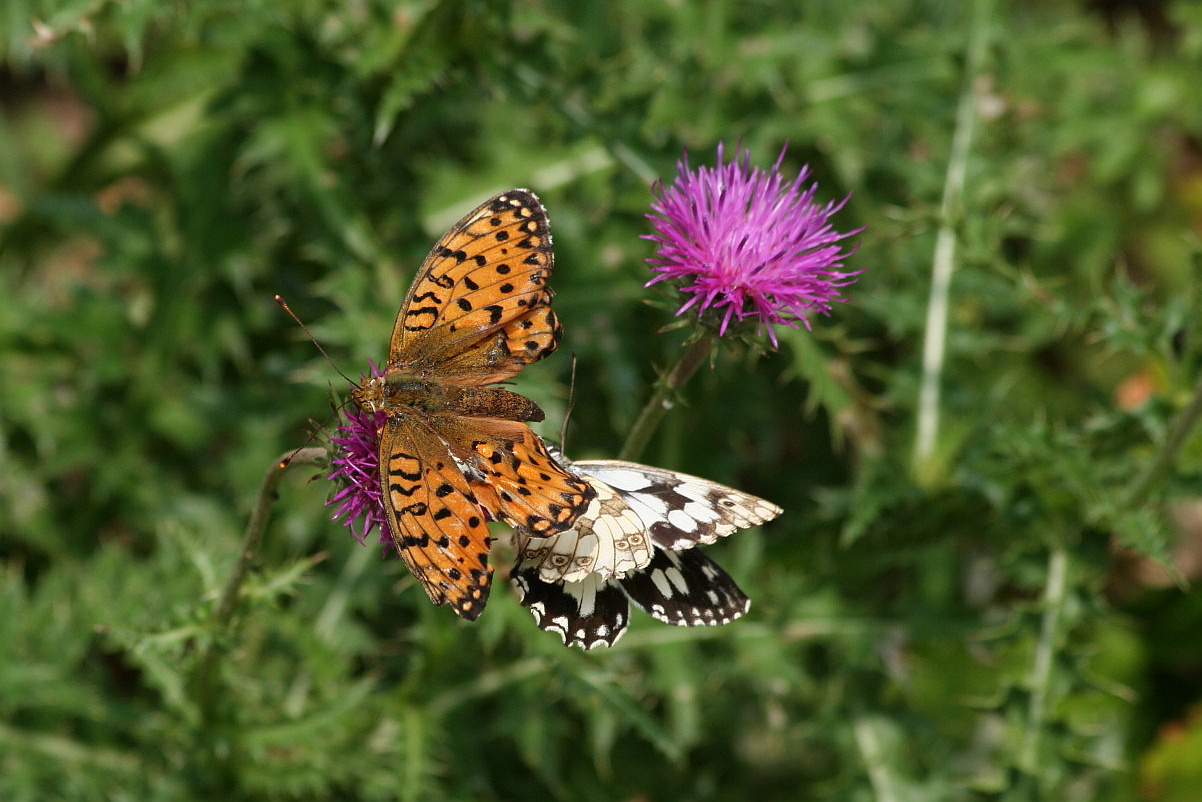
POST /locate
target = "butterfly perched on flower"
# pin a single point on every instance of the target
(578, 583)
(454, 453)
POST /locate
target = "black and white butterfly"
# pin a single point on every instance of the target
(636, 542)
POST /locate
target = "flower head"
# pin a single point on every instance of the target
(356, 466)
(743, 242)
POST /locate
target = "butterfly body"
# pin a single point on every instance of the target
(453, 452)
(399, 395)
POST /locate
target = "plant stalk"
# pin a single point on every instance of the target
(1055, 594)
(874, 754)
(252, 539)
(666, 392)
(1179, 432)
(944, 261)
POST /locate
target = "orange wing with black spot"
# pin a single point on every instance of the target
(523, 483)
(479, 309)
(436, 522)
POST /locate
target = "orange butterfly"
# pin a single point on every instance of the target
(454, 452)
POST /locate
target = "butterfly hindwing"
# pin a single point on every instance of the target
(588, 614)
(686, 589)
(521, 482)
(608, 539)
(503, 353)
(568, 555)
(569, 579)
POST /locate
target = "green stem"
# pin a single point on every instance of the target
(1055, 594)
(665, 397)
(867, 730)
(252, 539)
(944, 259)
(256, 526)
(1178, 433)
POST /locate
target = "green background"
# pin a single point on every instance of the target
(1009, 618)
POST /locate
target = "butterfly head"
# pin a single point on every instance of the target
(371, 395)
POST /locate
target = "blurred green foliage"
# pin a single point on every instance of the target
(1009, 619)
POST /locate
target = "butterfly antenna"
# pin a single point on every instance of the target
(563, 428)
(313, 434)
(280, 300)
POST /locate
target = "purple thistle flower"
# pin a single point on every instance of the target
(356, 466)
(746, 244)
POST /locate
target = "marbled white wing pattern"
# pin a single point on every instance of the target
(679, 510)
(590, 613)
(609, 539)
(685, 589)
(677, 584)
(454, 453)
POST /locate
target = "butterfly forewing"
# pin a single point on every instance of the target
(680, 510)
(482, 293)
(436, 523)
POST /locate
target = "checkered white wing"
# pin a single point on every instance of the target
(609, 540)
(590, 613)
(677, 510)
(686, 589)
